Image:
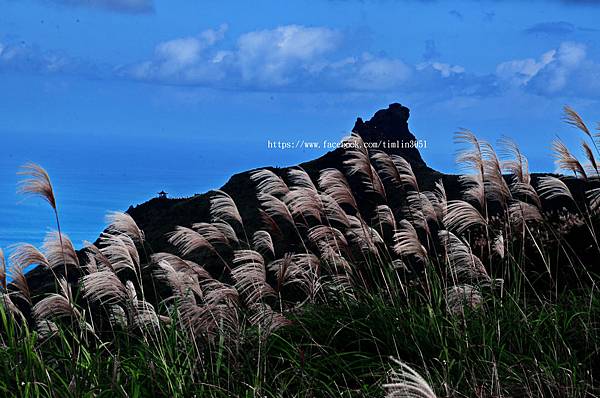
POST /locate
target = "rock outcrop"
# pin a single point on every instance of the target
(158, 217)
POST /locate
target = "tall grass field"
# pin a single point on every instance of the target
(360, 283)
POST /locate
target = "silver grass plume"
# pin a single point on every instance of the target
(186, 240)
(566, 161)
(96, 260)
(121, 252)
(405, 382)
(395, 169)
(551, 187)
(342, 285)
(515, 163)
(460, 296)
(301, 270)
(525, 192)
(266, 319)
(497, 188)
(328, 235)
(37, 184)
(227, 230)
(463, 262)
(26, 255)
(17, 273)
(471, 157)
(419, 210)
(438, 200)
(117, 316)
(593, 196)
(473, 188)
(363, 236)
(210, 320)
(123, 223)
(223, 208)
(214, 234)
(263, 243)
(333, 259)
(90, 264)
(333, 211)
(358, 163)
(384, 216)
(406, 241)
(572, 117)
(217, 293)
(304, 203)
(593, 169)
(57, 305)
(104, 287)
(269, 223)
(184, 286)
(268, 182)
(59, 250)
(250, 276)
(498, 245)
(2, 270)
(9, 305)
(385, 165)
(334, 183)
(521, 212)
(142, 315)
(298, 177)
(462, 216)
(46, 328)
(181, 265)
(275, 208)
(407, 175)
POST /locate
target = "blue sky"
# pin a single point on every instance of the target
(141, 95)
(231, 70)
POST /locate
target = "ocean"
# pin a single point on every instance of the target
(93, 176)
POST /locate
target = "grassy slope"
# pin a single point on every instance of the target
(511, 346)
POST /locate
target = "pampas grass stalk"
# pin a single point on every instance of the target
(37, 183)
(2, 270)
(406, 382)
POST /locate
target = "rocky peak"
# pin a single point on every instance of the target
(388, 130)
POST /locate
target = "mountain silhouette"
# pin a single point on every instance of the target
(387, 131)
(158, 217)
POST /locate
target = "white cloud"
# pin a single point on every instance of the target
(27, 58)
(520, 71)
(291, 57)
(180, 51)
(445, 70)
(378, 74)
(181, 60)
(571, 54)
(298, 58)
(557, 72)
(269, 56)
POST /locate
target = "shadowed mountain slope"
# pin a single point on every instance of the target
(158, 217)
(386, 131)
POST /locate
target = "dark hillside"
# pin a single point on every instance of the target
(158, 217)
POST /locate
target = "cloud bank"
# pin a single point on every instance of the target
(291, 57)
(296, 58)
(565, 70)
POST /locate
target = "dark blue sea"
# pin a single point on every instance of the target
(93, 176)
